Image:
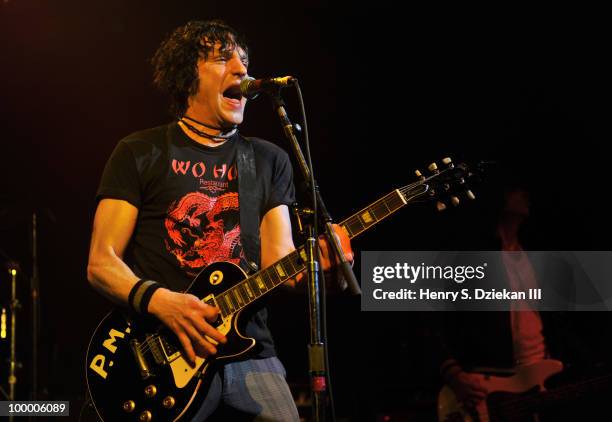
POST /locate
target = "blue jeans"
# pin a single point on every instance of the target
(250, 390)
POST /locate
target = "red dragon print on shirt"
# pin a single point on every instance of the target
(197, 212)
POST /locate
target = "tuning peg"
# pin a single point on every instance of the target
(440, 206)
(419, 174)
(433, 167)
(448, 162)
(470, 194)
(454, 200)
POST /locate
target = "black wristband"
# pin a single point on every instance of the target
(146, 297)
(140, 295)
(135, 288)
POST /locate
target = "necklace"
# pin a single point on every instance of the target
(204, 134)
(205, 125)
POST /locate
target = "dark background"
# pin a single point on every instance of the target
(386, 91)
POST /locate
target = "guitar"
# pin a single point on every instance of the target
(135, 368)
(519, 397)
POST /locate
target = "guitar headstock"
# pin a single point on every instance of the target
(446, 182)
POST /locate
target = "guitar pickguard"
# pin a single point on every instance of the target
(182, 371)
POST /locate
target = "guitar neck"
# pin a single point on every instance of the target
(522, 406)
(575, 390)
(264, 281)
(372, 214)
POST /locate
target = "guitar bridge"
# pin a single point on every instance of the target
(141, 361)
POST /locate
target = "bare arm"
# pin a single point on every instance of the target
(185, 314)
(113, 226)
(276, 237)
(277, 241)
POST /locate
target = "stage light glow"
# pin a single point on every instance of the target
(3, 324)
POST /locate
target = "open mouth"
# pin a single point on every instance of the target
(233, 93)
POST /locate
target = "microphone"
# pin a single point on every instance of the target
(251, 87)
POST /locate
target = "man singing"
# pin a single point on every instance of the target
(178, 197)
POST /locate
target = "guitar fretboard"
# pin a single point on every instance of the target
(518, 407)
(379, 210)
(262, 282)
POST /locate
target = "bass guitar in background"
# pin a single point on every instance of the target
(521, 396)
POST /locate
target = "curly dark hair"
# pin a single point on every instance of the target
(175, 61)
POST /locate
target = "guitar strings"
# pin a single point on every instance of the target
(148, 341)
(146, 347)
(520, 404)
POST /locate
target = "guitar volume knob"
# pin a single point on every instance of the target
(129, 406)
(169, 402)
(145, 416)
(150, 391)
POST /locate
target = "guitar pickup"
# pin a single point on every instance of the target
(170, 352)
(156, 348)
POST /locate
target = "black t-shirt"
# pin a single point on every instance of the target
(187, 196)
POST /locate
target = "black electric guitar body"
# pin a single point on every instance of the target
(135, 368)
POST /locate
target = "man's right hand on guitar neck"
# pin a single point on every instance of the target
(188, 317)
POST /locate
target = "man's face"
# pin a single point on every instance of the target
(218, 101)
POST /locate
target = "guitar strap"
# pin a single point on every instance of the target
(249, 196)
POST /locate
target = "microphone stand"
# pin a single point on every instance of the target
(316, 347)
